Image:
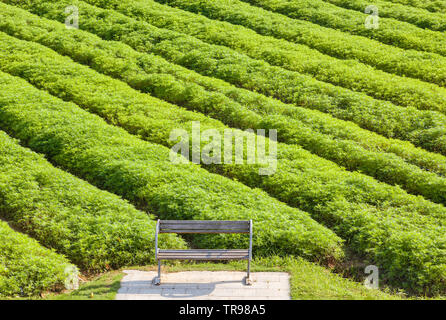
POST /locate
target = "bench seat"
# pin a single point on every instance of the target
(204, 254)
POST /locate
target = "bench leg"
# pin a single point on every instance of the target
(157, 280)
(248, 280)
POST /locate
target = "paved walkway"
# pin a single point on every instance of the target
(204, 285)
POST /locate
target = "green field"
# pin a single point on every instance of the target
(88, 113)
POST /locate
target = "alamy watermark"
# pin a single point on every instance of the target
(372, 21)
(229, 149)
(372, 280)
(71, 278)
(72, 20)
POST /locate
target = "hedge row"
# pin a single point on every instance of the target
(419, 17)
(27, 268)
(94, 229)
(150, 118)
(421, 65)
(432, 5)
(277, 52)
(423, 128)
(141, 172)
(137, 70)
(377, 213)
(390, 31)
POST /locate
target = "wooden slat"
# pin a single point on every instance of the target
(200, 226)
(203, 250)
(216, 224)
(243, 222)
(203, 254)
(202, 231)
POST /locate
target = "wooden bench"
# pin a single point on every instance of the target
(203, 226)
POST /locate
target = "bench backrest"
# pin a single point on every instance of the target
(203, 226)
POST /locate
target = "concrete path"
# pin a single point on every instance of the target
(204, 285)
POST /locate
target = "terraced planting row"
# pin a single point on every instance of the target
(293, 57)
(133, 71)
(306, 187)
(104, 111)
(419, 17)
(26, 267)
(433, 5)
(141, 172)
(423, 128)
(390, 31)
(94, 229)
(416, 64)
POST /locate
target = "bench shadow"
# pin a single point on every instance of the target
(178, 289)
(195, 289)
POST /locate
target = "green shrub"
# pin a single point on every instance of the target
(390, 31)
(27, 268)
(423, 128)
(139, 71)
(378, 220)
(295, 57)
(94, 229)
(141, 172)
(424, 19)
(433, 5)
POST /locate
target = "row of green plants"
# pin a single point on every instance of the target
(425, 66)
(138, 113)
(390, 31)
(432, 5)
(422, 18)
(142, 172)
(137, 70)
(94, 229)
(26, 267)
(377, 220)
(294, 57)
(423, 128)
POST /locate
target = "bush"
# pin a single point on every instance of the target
(94, 229)
(291, 56)
(423, 128)
(435, 21)
(141, 172)
(144, 72)
(27, 268)
(390, 31)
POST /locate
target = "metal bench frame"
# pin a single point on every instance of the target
(203, 226)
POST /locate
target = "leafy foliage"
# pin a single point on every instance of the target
(420, 17)
(276, 52)
(27, 268)
(403, 234)
(141, 172)
(391, 31)
(421, 65)
(423, 128)
(94, 229)
(144, 72)
(363, 211)
(151, 74)
(433, 5)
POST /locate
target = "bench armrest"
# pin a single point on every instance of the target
(250, 240)
(156, 238)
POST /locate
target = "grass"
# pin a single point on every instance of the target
(103, 287)
(308, 281)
